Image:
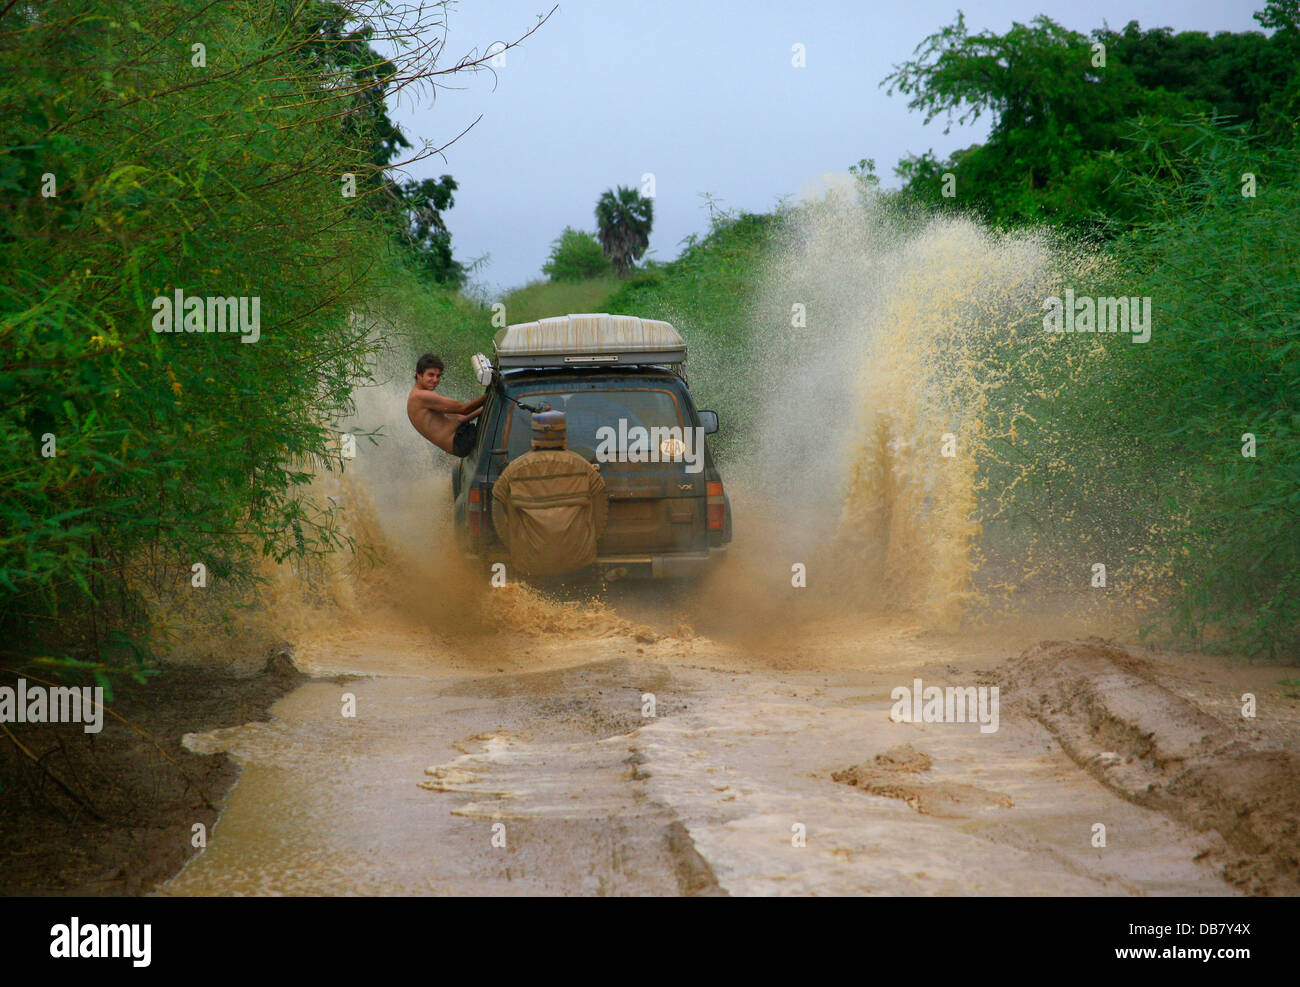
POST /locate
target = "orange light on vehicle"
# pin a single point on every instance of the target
(716, 507)
(475, 507)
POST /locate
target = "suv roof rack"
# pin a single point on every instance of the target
(592, 339)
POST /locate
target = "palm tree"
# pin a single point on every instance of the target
(623, 221)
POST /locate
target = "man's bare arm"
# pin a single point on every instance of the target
(446, 406)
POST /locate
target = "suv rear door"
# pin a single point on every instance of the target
(654, 507)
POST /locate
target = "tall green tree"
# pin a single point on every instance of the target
(340, 49)
(425, 232)
(1063, 104)
(1234, 75)
(623, 222)
(1280, 117)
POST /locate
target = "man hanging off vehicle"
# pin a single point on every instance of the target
(446, 423)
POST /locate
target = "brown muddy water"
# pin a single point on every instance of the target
(711, 793)
(728, 737)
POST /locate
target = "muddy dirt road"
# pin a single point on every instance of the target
(502, 743)
(533, 766)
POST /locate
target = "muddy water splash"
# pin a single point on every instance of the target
(868, 463)
(875, 426)
(407, 580)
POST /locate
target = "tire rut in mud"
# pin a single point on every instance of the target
(1110, 713)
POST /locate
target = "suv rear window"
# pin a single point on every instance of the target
(586, 411)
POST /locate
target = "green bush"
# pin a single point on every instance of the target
(576, 256)
(1224, 275)
(131, 172)
(1102, 449)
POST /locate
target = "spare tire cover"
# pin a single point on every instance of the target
(549, 508)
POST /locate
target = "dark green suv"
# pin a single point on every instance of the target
(628, 409)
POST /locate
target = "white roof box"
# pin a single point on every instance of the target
(592, 339)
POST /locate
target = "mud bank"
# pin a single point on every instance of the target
(112, 813)
(1111, 711)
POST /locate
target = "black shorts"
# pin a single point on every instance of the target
(462, 443)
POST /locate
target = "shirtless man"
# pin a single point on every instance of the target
(446, 423)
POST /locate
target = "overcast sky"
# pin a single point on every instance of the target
(703, 95)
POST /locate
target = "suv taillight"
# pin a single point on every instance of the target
(475, 508)
(715, 506)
